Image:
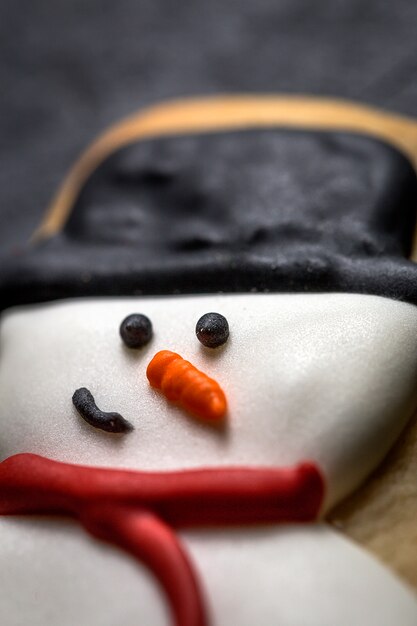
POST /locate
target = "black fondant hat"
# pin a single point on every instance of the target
(260, 209)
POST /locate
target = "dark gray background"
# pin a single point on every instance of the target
(68, 69)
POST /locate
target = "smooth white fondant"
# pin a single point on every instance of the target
(327, 377)
(53, 573)
(330, 378)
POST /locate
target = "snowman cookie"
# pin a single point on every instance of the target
(211, 343)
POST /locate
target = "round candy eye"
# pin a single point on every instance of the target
(136, 330)
(212, 330)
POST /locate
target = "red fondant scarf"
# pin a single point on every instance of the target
(139, 510)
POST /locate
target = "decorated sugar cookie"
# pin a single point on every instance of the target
(211, 342)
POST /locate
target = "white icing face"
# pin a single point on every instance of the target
(329, 378)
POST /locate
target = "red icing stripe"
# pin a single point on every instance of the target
(135, 509)
(146, 537)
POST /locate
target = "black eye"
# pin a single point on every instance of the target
(136, 330)
(212, 330)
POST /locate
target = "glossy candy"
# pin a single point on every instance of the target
(181, 382)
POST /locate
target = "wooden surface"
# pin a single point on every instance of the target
(382, 514)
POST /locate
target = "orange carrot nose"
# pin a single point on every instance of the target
(181, 382)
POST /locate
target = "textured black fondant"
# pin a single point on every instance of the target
(70, 69)
(253, 210)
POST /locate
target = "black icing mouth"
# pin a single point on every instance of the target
(110, 422)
